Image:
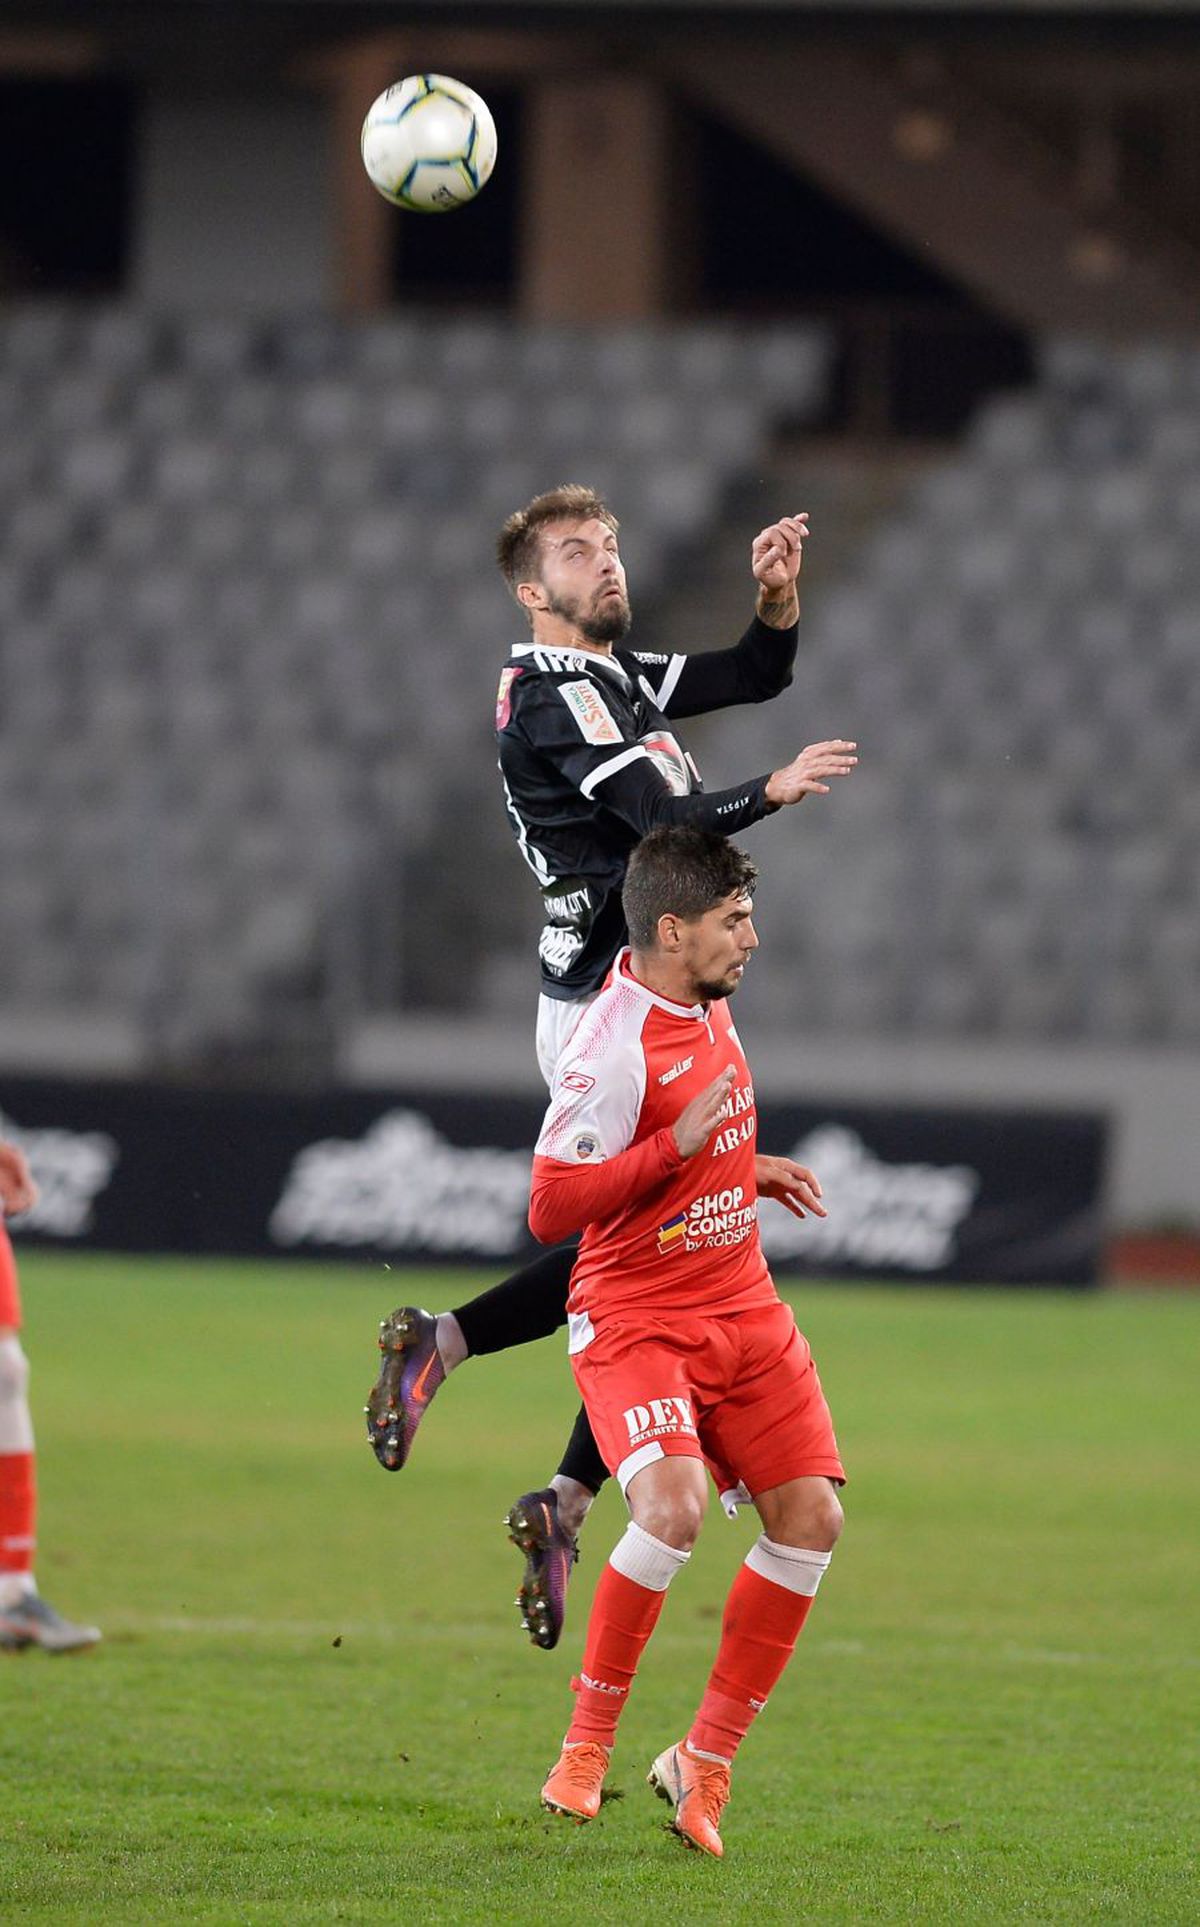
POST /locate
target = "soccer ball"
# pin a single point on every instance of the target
(429, 143)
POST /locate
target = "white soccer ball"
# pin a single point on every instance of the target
(429, 143)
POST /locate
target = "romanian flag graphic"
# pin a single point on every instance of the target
(670, 1233)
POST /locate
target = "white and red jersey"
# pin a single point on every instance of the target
(664, 1234)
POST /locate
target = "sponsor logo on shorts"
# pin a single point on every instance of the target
(660, 1418)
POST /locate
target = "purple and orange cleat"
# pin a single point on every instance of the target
(550, 1552)
(409, 1376)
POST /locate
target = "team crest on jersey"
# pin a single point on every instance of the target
(584, 1148)
(596, 721)
(508, 677)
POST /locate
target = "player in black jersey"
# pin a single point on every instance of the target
(590, 764)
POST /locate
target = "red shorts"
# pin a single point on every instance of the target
(740, 1392)
(10, 1296)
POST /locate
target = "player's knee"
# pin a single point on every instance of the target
(828, 1521)
(675, 1517)
(14, 1370)
(809, 1516)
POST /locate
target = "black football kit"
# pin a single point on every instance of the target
(590, 764)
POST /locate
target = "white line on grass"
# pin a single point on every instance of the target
(246, 1626)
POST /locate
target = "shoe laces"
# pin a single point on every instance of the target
(583, 1764)
(710, 1787)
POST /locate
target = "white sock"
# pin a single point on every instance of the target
(796, 1567)
(646, 1560)
(15, 1586)
(16, 1426)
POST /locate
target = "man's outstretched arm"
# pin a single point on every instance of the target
(760, 665)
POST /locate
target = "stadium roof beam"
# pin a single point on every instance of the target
(994, 206)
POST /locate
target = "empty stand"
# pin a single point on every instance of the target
(250, 626)
(250, 630)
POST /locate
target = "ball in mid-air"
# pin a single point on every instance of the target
(429, 143)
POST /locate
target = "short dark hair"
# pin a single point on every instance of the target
(518, 542)
(684, 873)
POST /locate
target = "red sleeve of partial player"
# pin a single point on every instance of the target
(566, 1197)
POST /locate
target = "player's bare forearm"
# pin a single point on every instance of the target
(775, 558)
(779, 608)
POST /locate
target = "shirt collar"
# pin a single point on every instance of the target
(573, 658)
(697, 1013)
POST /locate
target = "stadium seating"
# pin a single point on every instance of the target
(1016, 654)
(249, 633)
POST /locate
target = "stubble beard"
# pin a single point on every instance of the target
(715, 993)
(602, 624)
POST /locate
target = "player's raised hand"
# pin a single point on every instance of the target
(790, 1184)
(811, 772)
(777, 552)
(18, 1192)
(699, 1119)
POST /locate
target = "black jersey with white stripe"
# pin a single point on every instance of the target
(590, 764)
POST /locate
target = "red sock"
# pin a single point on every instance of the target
(18, 1508)
(623, 1617)
(759, 1631)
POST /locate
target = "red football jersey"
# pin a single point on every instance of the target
(688, 1241)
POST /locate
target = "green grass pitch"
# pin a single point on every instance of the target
(313, 1704)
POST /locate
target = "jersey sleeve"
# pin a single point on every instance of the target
(596, 1096)
(758, 667)
(587, 1163)
(563, 1198)
(571, 725)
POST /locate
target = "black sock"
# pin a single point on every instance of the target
(581, 1460)
(531, 1304)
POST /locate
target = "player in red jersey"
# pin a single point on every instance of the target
(26, 1619)
(683, 1351)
